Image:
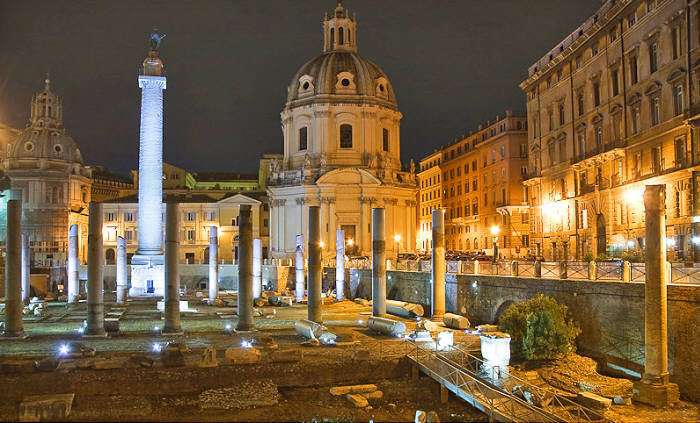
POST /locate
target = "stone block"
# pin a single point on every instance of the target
(107, 364)
(360, 355)
(285, 356)
(209, 358)
(141, 360)
(48, 364)
(353, 389)
(376, 395)
(357, 400)
(45, 407)
(243, 355)
(591, 400)
(656, 395)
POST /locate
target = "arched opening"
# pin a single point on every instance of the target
(340, 35)
(501, 309)
(332, 37)
(601, 240)
(349, 40)
(110, 257)
(345, 136)
(205, 256)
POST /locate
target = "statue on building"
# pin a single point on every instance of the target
(323, 161)
(413, 167)
(274, 166)
(155, 39)
(373, 161)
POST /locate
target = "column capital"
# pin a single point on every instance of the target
(300, 201)
(146, 81)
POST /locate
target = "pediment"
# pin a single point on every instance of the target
(240, 199)
(348, 176)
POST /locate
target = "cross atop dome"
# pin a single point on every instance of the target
(339, 31)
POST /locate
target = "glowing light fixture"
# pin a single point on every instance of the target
(156, 347)
(63, 349)
(351, 242)
(397, 238)
(495, 230)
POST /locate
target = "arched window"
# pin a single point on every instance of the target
(385, 139)
(349, 41)
(340, 35)
(345, 136)
(476, 243)
(332, 37)
(303, 138)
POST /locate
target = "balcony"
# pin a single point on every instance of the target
(598, 150)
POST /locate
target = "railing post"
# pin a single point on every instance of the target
(563, 270)
(538, 268)
(476, 267)
(669, 272)
(626, 271)
(592, 270)
(514, 268)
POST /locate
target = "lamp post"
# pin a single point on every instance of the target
(494, 231)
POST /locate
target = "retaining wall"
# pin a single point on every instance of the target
(610, 314)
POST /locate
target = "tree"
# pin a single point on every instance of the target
(539, 329)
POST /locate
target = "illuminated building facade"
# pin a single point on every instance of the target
(613, 108)
(44, 163)
(480, 177)
(429, 197)
(341, 128)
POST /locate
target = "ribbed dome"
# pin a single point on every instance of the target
(45, 137)
(321, 76)
(44, 143)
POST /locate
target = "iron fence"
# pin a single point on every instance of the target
(609, 270)
(550, 269)
(526, 268)
(638, 272)
(682, 274)
(577, 269)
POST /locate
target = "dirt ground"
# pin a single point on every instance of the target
(134, 393)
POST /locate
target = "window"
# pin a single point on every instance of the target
(109, 217)
(550, 119)
(655, 110)
(475, 184)
(631, 20)
(579, 100)
(128, 217)
(634, 70)
(345, 136)
(596, 94)
(678, 100)
(599, 138)
(128, 235)
(340, 35)
(653, 57)
(190, 234)
(303, 138)
(190, 216)
(582, 143)
(676, 42)
(679, 151)
(634, 118)
(526, 241)
(266, 223)
(475, 208)
(525, 218)
(474, 165)
(562, 117)
(579, 62)
(651, 4)
(615, 79)
(613, 35)
(385, 139)
(503, 152)
(523, 150)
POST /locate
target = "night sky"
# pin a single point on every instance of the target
(453, 64)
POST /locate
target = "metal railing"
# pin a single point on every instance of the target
(577, 269)
(490, 389)
(682, 274)
(609, 271)
(550, 269)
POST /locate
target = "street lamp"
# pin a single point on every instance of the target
(397, 238)
(494, 231)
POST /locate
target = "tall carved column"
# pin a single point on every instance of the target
(245, 270)
(172, 271)
(378, 263)
(95, 288)
(437, 302)
(13, 272)
(314, 305)
(73, 283)
(655, 388)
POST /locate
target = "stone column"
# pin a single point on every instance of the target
(72, 265)
(654, 388)
(95, 294)
(214, 264)
(299, 267)
(438, 268)
(172, 271)
(378, 263)
(314, 305)
(340, 265)
(257, 268)
(245, 270)
(150, 183)
(26, 285)
(360, 235)
(122, 284)
(13, 272)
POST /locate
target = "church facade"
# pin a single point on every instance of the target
(45, 166)
(341, 128)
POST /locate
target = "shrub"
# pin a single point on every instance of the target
(539, 329)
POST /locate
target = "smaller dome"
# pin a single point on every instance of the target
(44, 143)
(45, 137)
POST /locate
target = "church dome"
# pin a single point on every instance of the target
(45, 137)
(345, 73)
(340, 74)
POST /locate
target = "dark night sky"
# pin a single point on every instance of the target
(453, 65)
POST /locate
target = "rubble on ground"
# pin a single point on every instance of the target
(260, 393)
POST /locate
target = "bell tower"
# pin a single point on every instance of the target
(339, 32)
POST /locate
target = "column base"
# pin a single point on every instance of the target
(14, 336)
(655, 394)
(246, 329)
(98, 334)
(172, 332)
